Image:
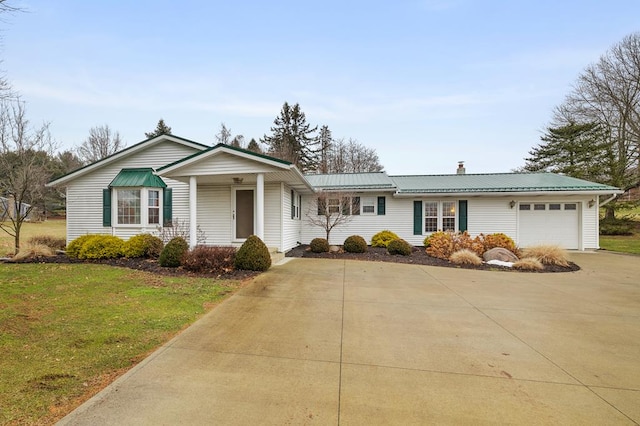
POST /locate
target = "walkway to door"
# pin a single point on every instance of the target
(346, 342)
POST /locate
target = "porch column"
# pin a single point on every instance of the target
(193, 211)
(260, 206)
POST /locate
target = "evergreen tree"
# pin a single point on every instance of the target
(161, 129)
(292, 139)
(577, 150)
(254, 146)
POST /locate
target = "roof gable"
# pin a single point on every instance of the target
(146, 144)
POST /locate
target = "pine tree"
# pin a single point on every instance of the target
(325, 141)
(161, 129)
(292, 139)
(254, 146)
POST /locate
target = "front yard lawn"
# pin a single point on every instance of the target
(621, 243)
(67, 330)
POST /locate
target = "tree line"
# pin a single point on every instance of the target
(594, 133)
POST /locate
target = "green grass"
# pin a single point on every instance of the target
(54, 228)
(623, 244)
(68, 330)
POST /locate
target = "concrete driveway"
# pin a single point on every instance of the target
(351, 343)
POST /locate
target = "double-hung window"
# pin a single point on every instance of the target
(368, 205)
(439, 216)
(140, 206)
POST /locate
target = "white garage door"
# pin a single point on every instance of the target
(549, 223)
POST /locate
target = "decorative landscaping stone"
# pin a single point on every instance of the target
(499, 253)
(334, 249)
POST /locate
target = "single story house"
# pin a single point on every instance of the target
(225, 194)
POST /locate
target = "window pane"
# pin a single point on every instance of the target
(554, 206)
(129, 206)
(525, 206)
(430, 224)
(355, 205)
(448, 223)
(539, 207)
(449, 209)
(569, 206)
(368, 205)
(431, 209)
(333, 205)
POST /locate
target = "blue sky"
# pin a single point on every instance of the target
(427, 83)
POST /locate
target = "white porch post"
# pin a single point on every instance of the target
(260, 206)
(193, 211)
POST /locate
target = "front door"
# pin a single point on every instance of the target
(243, 214)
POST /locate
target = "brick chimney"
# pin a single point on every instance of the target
(461, 170)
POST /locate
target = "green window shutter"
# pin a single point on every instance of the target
(382, 203)
(462, 215)
(417, 218)
(322, 206)
(355, 205)
(293, 205)
(167, 206)
(106, 207)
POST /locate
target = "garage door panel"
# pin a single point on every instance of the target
(549, 226)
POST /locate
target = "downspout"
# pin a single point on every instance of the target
(608, 200)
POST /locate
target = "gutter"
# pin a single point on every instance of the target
(501, 193)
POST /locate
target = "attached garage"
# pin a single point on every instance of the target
(549, 223)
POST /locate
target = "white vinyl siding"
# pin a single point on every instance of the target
(226, 164)
(84, 195)
(291, 228)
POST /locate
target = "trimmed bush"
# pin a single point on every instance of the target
(143, 245)
(319, 245)
(355, 244)
(101, 247)
(399, 246)
(209, 260)
(172, 254)
(618, 227)
(548, 254)
(528, 264)
(53, 243)
(74, 247)
(383, 238)
(253, 255)
(465, 257)
(440, 245)
(499, 240)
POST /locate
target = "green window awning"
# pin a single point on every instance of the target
(143, 177)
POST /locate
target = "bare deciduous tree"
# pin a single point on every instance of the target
(224, 135)
(101, 143)
(607, 93)
(332, 209)
(25, 152)
(352, 157)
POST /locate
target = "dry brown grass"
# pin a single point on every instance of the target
(548, 254)
(29, 250)
(465, 257)
(528, 264)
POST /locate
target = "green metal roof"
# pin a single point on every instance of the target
(497, 182)
(346, 181)
(143, 177)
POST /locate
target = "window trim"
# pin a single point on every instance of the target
(372, 203)
(439, 215)
(144, 207)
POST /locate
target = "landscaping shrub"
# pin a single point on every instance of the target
(616, 227)
(210, 260)
(172, 253)
(53, 243)
(399, 246)
(253, 255)
(528, 264)
(319, 245)
(440, 244)
(499, 240)
(143, 245)
(548, 254)
(30, 250)
(465, 257)
(355, 244)
(101, 247)
(463, 241)
(383, 238)
(74, 247)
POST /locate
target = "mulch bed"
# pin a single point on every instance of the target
(373, 254)
(417, 257)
